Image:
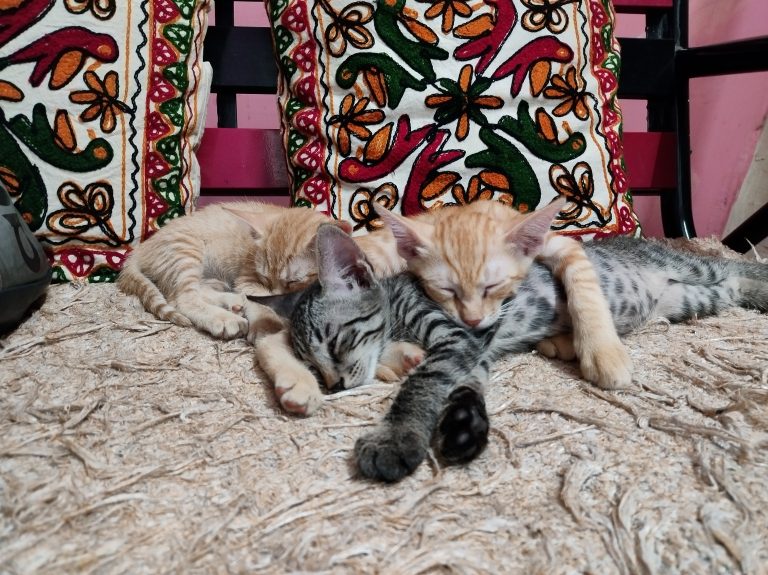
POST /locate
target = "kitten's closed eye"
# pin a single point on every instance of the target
(490, 289)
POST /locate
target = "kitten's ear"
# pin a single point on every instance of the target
(528, 235)
(341, 264)
(413, 237)
(260, 222)
(281, 304)
(343, 225)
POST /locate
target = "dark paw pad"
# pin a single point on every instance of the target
(462, 433)
(387, 455)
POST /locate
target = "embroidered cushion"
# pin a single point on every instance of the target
(422, 103)
(100, 109)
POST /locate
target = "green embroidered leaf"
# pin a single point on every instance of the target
(169, 148)
(102, 274)
(613, 63)
(283, 39)
(300, 175)
(168, 188)
(278, 7)
(303, 203)
(186, 7)
(295, 142)
(33, 201)
(292, 107)
(289, 67)
(177, 74)
(480, 86)
(58, 277)
(503, 157)
(180, 35)
(174, 109)
(173, 212)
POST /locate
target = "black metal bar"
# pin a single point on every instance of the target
(728, 58)
(676, 210)
(754, 229)
(226, 101)
(242, 60)
(647, 68)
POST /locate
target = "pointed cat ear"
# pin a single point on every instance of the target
(413, 237)
(281, 304)
(259, 221)
(528, 235)
(341, 265)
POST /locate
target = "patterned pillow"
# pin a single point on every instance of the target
(100, 108)
(421, 103)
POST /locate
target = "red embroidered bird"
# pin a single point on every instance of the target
(13, 21)
(63, 53)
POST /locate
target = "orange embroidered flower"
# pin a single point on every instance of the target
(567, 89)
(487, 185)
(348, 26)
(410, 19)
(545, 13)
(448, 9)
(463, 100)
(101, 9)
(101, 99)
(353, 119)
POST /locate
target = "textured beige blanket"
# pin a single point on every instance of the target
(131, 446)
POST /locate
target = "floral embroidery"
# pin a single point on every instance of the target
(348, 26)
(445, 102)
(102, 9)
(461, 100)
(101, 99)
(448, 9)
(362, 201)
(567, 89)
(353, 119)
(105, 89)
(84, 209)
(578, 187)
(547, 14)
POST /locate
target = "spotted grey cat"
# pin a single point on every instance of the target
(341, 324)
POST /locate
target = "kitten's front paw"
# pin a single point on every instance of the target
(462, 433)
(298, 393)
(226, 325)
(398, 360)
(607, 365)
(389, 454)
(557, 346)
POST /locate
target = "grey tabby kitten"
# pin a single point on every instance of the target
(341, 324)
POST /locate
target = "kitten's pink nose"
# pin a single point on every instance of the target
(472, 322)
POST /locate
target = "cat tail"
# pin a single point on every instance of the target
(132, 281)
(753, 284)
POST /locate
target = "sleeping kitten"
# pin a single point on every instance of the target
(469, 259)
(194, 269)
(346, 319)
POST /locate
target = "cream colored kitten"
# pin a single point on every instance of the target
(194, 270)
(471, 258)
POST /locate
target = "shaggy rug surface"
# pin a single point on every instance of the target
(128, 445)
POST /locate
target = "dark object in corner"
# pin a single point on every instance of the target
(24, 270)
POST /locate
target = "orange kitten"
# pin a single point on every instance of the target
(188, 272)
(471, 258)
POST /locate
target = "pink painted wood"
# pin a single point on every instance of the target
(242, 159)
